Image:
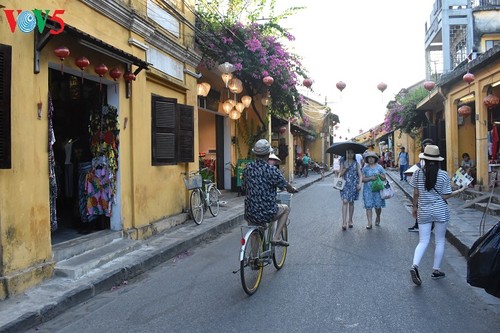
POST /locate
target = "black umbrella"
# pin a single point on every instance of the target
(339, 148)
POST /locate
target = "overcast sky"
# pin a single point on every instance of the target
(361, 43)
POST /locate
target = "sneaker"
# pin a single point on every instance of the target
(415, 277)
(413, 229)
(437, 275)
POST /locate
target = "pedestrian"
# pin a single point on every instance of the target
(298, 166)
(350, 170)
(274, 160)
(431, 188)
(261, 181)
(403, 160)
(468, 165)
(419, 166)
(305, 164)
(372, 199)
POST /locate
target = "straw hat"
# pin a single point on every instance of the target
(262, 147)
(370, 154)
(431, 153)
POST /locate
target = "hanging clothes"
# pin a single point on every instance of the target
(52, 173)
(99, 188)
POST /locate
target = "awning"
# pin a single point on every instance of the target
(41, 39)
(433, 102)
(295, 129)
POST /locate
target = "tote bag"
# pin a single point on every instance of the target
(338, 183)
(387, 192)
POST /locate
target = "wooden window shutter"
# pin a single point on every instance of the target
(5, 107)
(164, 128)
(186, 133)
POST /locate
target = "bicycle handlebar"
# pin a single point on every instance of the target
(194, 172)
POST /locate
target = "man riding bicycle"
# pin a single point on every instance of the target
(261, 180)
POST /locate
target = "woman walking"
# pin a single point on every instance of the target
(431, 188)
(372, 199)
(351, 171)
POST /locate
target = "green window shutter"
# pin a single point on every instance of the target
(164, 128)
(5, 107)
(186, 133)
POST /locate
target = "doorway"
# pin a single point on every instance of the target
(77, 104)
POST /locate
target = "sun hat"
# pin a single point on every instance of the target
(274, 157)
(431, 153)
(371, 154)
(262, 147)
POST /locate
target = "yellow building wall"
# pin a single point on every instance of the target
(147, 193)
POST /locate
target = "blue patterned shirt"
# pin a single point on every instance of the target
(261, 180)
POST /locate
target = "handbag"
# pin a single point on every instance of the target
(377, 184)
(338, 183)
(387, 192)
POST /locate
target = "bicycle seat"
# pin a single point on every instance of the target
(207, 181)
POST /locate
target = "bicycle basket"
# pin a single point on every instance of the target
(284, 198)
(193, 182)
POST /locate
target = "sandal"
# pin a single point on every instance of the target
(377, 221)
(350, 225)
(280, 242)
(368, 227)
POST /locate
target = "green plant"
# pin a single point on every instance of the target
(250, 135)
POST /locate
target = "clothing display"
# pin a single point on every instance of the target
(52, 166)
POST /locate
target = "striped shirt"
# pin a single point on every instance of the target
(431, 205)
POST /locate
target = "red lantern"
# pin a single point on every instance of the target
(340, 85)
(115, 73)
(82, 62)
(307, 83)
(282, 129)
(101, 70)
(62, 52)
(429, 85)
(491, 101)
(382, 86)
(268, 80)
(464, 111)
(129, 76)
(469, 78)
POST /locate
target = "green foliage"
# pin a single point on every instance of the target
(402, 113)
(250, 135)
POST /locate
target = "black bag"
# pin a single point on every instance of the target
(483, 262)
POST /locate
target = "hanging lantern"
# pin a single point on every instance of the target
(240, 107)
(101, 70)
(232, 102)
(382, 86)
(129, 76)
(62, 52)
(235, 86)
(429, 85)
(469, 78)
(246, 100)
(115, 73)
(491, 101)
(266, 101)
(226, 67)
(307, 83)
(340, 85)
(227, 107)
(203, 89)
(282, 129)
(82, 63)
(464, 111)
(226, 77)
(234, 114)
(268, 80)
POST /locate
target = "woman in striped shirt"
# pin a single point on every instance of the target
(431, 188)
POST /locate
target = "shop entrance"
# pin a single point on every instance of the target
(80, 199)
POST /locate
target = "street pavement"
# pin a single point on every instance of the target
(54, 296)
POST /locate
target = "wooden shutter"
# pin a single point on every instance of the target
(186, 133)
(164, 130)
(5, 107)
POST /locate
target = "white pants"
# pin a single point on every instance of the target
(424, 236)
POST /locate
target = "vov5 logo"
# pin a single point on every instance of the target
(28, 20)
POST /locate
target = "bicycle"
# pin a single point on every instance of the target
(204, 195)
(257, 251)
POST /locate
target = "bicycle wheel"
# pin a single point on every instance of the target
(279, 253)
(213, 204)
(196, 205)
(251, 267)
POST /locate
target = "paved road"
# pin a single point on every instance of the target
(333, 281)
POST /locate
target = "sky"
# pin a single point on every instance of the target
(361, 43)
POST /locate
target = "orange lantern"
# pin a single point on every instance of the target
(82, 63)
(307, 83)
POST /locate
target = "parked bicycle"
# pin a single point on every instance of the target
(258, 252)
(205, 195)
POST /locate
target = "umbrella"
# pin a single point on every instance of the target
(339, 148)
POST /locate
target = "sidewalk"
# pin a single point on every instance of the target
(54, 296)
